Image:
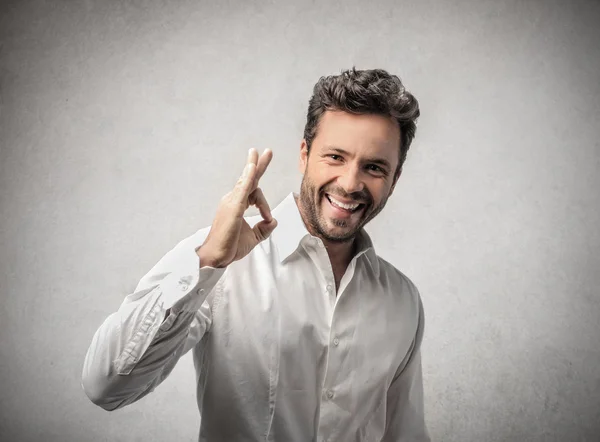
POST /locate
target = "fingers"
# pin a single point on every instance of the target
(261, 163)
(242, 188)
(258, 199)
(252, 156)
(262, 230)
(253, 171)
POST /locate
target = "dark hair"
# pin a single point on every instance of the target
(372, 91)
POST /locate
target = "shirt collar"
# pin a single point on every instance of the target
(290, 231)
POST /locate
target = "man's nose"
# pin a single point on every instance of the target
(351, 180)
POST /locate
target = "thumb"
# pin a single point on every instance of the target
(263, 229)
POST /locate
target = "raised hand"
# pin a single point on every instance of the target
(230, 237)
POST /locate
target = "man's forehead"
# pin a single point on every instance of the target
(366, 126)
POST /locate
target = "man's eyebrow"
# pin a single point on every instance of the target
(373, 160)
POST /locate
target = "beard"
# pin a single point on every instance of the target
(311, 200)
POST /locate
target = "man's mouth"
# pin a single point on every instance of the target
(348, 208)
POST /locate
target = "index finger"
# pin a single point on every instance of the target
(243, 187)
(261, 167)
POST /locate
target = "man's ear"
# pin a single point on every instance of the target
(303, 160)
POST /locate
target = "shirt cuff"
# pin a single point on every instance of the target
(187, 289)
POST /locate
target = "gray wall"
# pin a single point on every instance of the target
(124, 122)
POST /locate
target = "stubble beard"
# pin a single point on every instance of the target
(311, 205)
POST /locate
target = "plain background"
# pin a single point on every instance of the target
(124, 122)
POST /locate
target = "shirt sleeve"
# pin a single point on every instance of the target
(405, 420)
(137, 347)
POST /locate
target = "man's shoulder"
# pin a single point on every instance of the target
(397, 281)
(404, 291)
(391, 271)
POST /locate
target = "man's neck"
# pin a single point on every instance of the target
(340, 254)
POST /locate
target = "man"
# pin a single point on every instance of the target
(300, 332)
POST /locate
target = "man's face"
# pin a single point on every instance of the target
(343, 163)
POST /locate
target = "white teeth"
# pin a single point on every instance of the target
(342, 205)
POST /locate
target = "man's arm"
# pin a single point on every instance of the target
(405, 420)
(137, 347)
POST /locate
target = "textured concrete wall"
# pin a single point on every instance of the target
(122, 123)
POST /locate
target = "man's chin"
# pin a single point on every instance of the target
(334, 233)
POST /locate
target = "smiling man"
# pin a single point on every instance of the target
(300, 332)
(351, 185)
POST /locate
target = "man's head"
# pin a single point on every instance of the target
(359, 127)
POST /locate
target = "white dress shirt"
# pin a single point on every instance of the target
(278, 356)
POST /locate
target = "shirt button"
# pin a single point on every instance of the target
(336, 342)
(329, 287)
(329, 394)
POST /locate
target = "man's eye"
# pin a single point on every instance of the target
(379, 169)
(334, 156)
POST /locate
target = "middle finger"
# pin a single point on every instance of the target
(261, 167)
